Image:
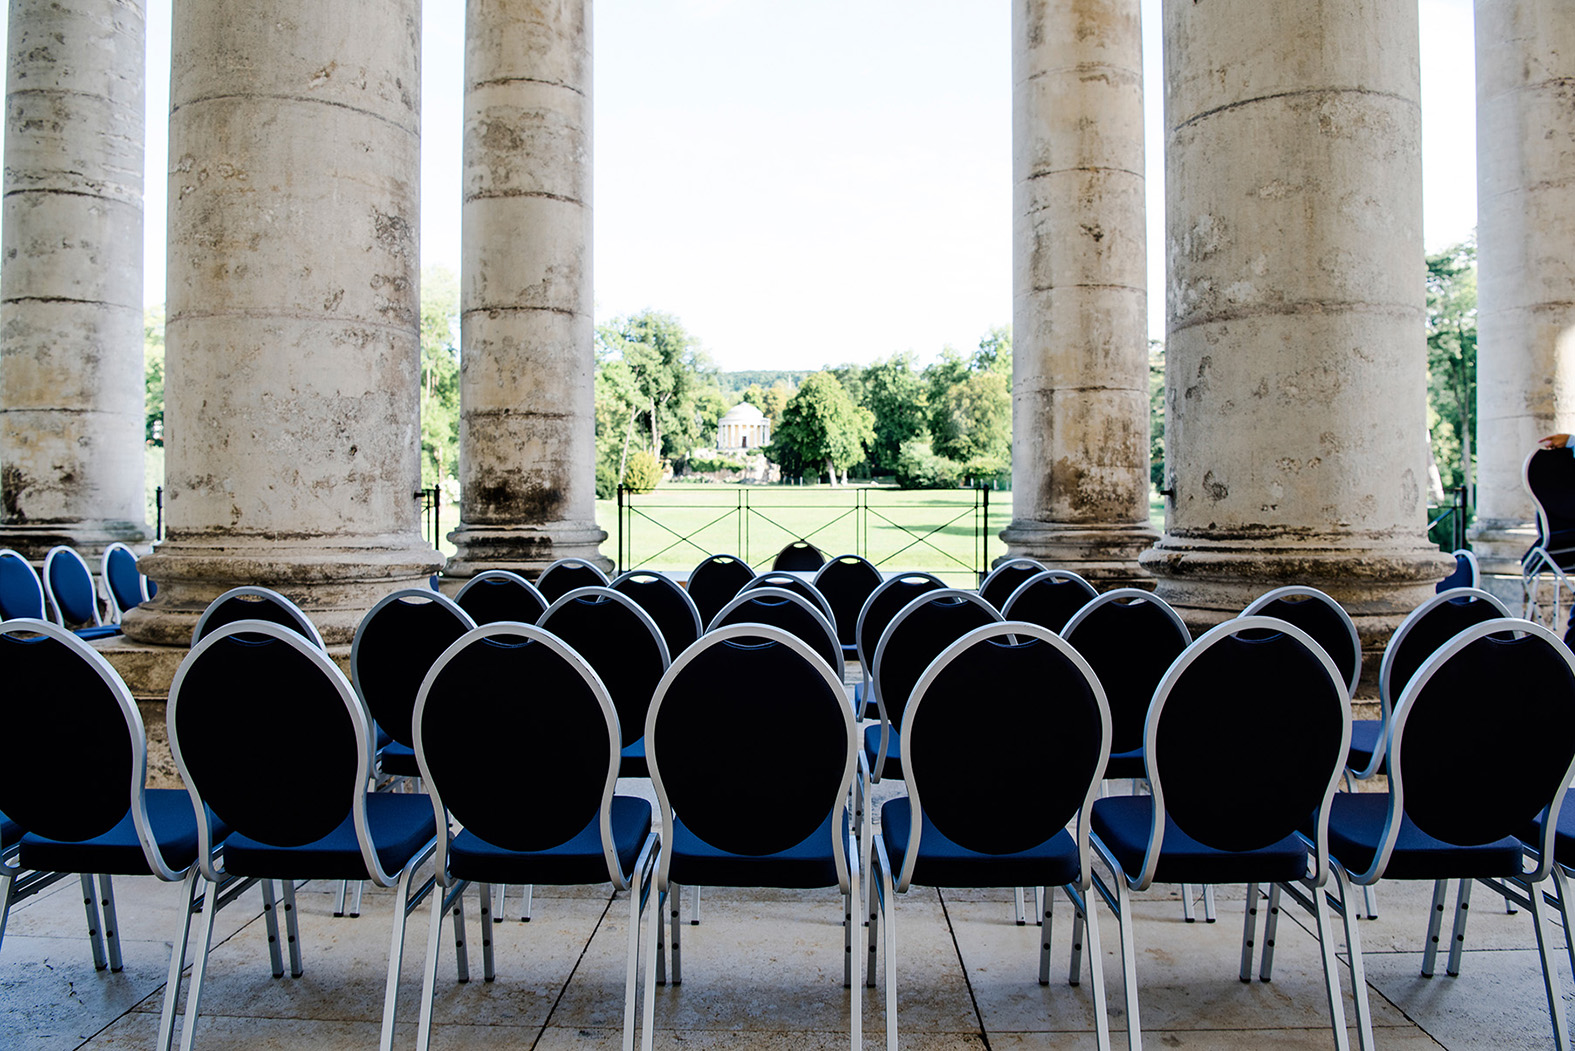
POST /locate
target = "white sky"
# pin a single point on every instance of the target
(820, 181)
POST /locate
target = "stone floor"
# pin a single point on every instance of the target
(762, 970)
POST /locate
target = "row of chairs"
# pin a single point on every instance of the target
(65, 592)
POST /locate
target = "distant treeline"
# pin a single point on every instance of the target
(733, 382)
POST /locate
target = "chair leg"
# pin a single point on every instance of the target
(111, 922)
(1124, 922)
(695, 919)
(1435, 923)
(199, 966)
(339, 899)
(1187, 912)
(847, 939)
(1353, 945)
(1370, 901)
(355, 898)
(486, 898)
(500, 897)
(94, 925)
(871, 893)
(1550, 974)
(292, 929)
(396, 948)
(675, 966)
(1208, 903)
(653, 945)
(1271, 930)
(528, 892)
(429, 969)
(8, 875)
(1249, 932)
(1331, 966)
(271, 920)
(1047, 899)
(461, 949)
(1096, 967)
(1561, 891)
(1074, 973)
(1017, 904)
(1457, 938)
(642, 892)
(178, 963)
(887, 893)
(1041, 895)
(855, 989)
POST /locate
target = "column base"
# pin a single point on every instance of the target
(1377, 580)
(89, 538)
(334, 581)
(1106, 555)
(522, 549)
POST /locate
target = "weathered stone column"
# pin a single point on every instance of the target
(292, 398)
(71, 391)
(1080, 413)
(527, 432)
(1526, 267)
(1296, 369)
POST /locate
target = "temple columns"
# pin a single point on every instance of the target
(292, 343)
(1080, 412)
(527, 398)
(71, 389)
(1526, 272)
(1296, 371)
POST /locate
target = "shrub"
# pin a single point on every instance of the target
(643, 473)
(919, 468)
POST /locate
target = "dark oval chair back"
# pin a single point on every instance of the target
(847, 582)
(1053, 754)
(1049, 599)
(395, 645)
(566, 575)
(797, 711)
(69, 583)
(714, 581)
(255, 603)
(796, 584)
(550, 735)
(673, 611)
(71, 756)
(1425, 630)
(916, 636)
(1209, 715)
(21, 592)
(1130, 638)
(1549, 476)
(884, 603)
(321, 729)
(998, 585)
(620, 641)
(792, 613)
(800, 555)
(1321, 617)
(498, 594)
(1466, 573)
(122, 578)
(1440, 750)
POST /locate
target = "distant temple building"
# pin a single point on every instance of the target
(744, 429)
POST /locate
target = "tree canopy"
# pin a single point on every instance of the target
(821, 429)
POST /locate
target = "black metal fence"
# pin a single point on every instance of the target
(1446, 523)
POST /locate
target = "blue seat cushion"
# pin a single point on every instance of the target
(1127, 764)
(808, 863)
(398, 760)
(864, 706)
(1122, 823)
(10, 833)
(1366, 738)
(118, 851)
(631, 761)
(1563, 835)
(943, 863)
(893, 767)
(97, 632)
(1356, 825)
(578, 861)
(400, 825)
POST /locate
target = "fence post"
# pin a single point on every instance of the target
(158, 513)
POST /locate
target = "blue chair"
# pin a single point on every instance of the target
(73, 726)
(1441, 818)
(799, 556)
(772, 578)
(251, 602)
(847, 582)
(1466, 574)
(668, 604)
(716, 834)
(535, 796)
(951, 829)
(882, 605)
(998, 585)
(124, 585)
(497, 594)
(1194, 829)
(21, 594)
(1049, 599)
(320, 824)
(791, 612)
(567, 574)
(73, 600)
(714, 580)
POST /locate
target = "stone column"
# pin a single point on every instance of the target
(1080, 412)
(527, 432)
(292, 398)
(71, 390)
(1526, 268)
(1296, 369)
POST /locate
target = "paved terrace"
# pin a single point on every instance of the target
(763, 970)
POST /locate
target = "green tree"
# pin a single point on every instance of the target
(1452, 360)
(972, 425)
(153, 374)
(895, 394)
(669, 370)
(771, 400)
(1156, 413)
(821, 428)
(439, 376)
